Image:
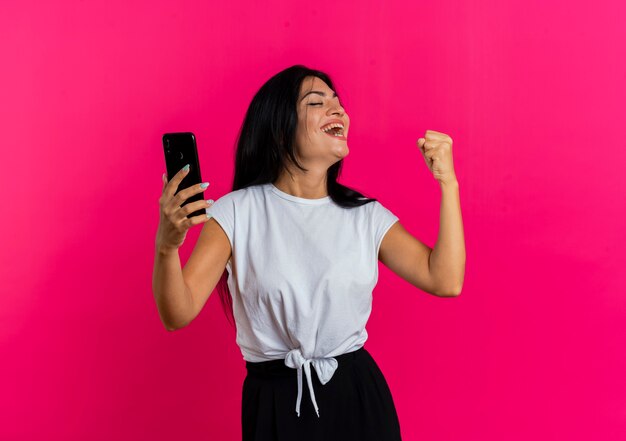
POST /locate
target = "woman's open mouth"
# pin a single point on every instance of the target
(335, 130)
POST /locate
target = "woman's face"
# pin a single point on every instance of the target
(317, 107)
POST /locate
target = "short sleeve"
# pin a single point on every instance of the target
(223, 211)
(382, 220)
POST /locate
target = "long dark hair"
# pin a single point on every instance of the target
(266, 143)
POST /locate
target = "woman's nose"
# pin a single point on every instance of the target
(338, 108)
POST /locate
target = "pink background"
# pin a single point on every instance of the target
(532, 93)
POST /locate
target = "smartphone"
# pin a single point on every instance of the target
(180, 149)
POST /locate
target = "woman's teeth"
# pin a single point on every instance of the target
(334, 129)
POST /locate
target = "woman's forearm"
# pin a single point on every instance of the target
(170, 291)
(447, 260)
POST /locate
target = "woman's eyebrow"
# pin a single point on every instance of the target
(317, 92)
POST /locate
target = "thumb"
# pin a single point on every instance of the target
(420, 144)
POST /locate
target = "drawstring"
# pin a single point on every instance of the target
(325, 368)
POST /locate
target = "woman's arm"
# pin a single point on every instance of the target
(447, 260)
(172, 297)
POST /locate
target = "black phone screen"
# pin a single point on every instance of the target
(180, 149)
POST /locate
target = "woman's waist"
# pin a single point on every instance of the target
(278, 367)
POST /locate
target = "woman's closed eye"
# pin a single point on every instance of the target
(315, 104)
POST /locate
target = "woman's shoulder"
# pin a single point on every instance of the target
(241, 193)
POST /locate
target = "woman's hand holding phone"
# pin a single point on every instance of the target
(174, 223)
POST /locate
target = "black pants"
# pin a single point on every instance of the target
(356, 404)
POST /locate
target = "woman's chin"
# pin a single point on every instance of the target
(342, 151)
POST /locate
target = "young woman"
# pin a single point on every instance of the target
(297, 255)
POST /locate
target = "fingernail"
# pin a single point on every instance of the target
(204, 185)
(186, 168)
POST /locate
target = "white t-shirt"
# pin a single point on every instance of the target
(301, 274)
